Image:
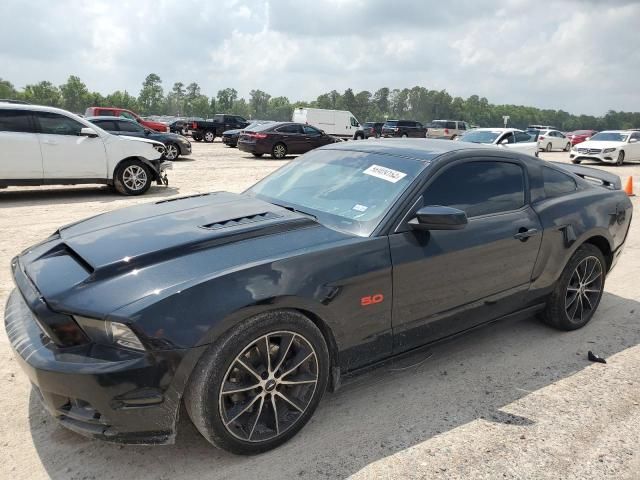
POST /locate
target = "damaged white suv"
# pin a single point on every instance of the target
(49, 146)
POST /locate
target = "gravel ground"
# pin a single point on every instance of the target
(512, 400)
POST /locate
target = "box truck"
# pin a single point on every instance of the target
(339, 123)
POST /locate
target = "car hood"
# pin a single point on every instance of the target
(601, 145)
(110, 260)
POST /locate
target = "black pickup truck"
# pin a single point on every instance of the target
(210, 129)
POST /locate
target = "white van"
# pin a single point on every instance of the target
(339, 123)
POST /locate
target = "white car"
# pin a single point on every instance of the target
(510, 138)
(549, 140)
(611, 146)
(49, 146)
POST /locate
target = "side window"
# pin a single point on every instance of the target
(127, 115)
(508, 137)
(102, 112)
(130, 127)
(478, 188)
(308, 130)
(289, 129)
(56, 124)
(462, 126)
(557, 183)
(522, 137)
(108, 125)
(451, 125)
(15, 121)
(636, 135)
(354, 122)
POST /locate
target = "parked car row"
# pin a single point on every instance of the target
(511, 138)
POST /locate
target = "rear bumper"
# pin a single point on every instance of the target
(101, 392)
(253, 148)
(231, 141)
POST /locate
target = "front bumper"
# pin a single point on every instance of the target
(185, 148)
(98, 391)
(609, 157)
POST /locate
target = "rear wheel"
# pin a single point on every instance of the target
(578, 291)
(279, 151)
(620, 158)
(209, 136)
(197, 137)
(548, 148)
(576, 161)
(132, 178)
(260, 383)
(454, 137)
(359, 136)
(404, 135)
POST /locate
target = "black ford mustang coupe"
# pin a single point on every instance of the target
(248, 307)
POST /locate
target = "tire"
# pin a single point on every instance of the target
(279, 151)
(548, 148)
(197, 138)
(172, 151)
(257, 431)
(620, 159)
(132, 177)
(209, 136)
(567, 147)
(404, 135)
(257, 155)
(358, 136)
(564, 305)
(576, 161)
(454, 137)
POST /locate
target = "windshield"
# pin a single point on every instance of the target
(610, 137)
(346, 190)
(439, 124)
(480, 136)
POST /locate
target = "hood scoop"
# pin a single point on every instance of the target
(234, 222)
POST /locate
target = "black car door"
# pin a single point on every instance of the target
(449, 280)
(293, 138)
(313, 138)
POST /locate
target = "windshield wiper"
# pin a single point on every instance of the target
(292, 209)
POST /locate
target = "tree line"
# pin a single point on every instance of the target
(417, 103)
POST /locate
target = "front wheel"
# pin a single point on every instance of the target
(578, 291)
(279, 151)
(404, 135)
(132, 178)
(548, 148)
(209, 136)
(567, 147)
(575, 161)
(260, 383)
(171, 151)
(620, 158)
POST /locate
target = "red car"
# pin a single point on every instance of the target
(124, 113)
(580, 136)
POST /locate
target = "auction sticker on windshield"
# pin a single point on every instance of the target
(385, 173)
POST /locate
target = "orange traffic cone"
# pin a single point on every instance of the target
(628, 188)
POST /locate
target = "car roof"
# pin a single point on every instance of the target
(35, 108)
(416, 148)
(497, 129)
(615, 131)
(110, 117)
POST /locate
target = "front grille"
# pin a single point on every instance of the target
(259, 217)
(589, 151)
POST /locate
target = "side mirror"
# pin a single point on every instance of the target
(88, 132)
(587, 139)
(633, 140)
(436, 217)
(504, 142)
(323, 133)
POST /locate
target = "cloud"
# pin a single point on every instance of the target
(580, 56)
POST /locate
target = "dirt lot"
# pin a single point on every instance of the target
(513, 400)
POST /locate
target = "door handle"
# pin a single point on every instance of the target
(524, 234)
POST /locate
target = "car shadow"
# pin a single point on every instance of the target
(182, 159)
(377, 414)
(65, 195)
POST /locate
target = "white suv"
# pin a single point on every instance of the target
(48, 146)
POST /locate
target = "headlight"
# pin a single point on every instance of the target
(107, 332)
(608, 150)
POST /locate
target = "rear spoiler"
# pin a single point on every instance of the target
(593, 175)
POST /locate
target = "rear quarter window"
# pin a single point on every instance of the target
(557, 183)
(15, 121)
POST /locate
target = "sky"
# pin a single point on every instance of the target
(582, 56)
